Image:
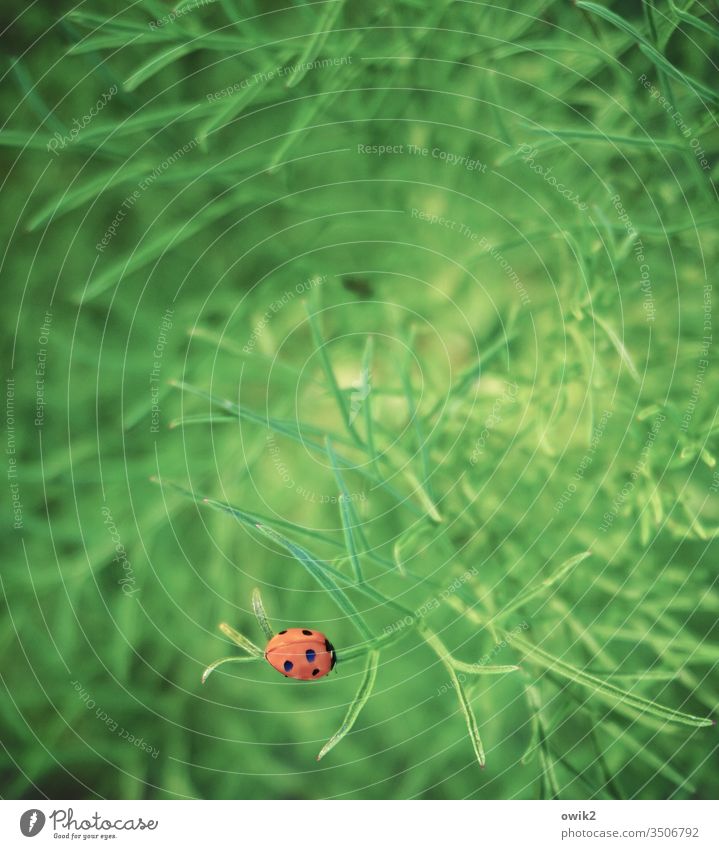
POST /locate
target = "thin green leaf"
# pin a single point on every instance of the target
(555, 578)
(117, 40)
(314, 43)
(240, 640)
(252, 521)
(365, 391)
(346, 513)
(330, 375)
(93, 21)
(231, 108)
(482, 669)
(418, 429)
(692, 20)
(260, 613)
(649, 50)
(360, 699)
(322, 574)
(600, 137)
(642, 750)
(608, 690)
(292, 431)
(157, 63)
(440, 650)
(619, 345)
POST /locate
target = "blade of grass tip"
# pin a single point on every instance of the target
(423, 496)
(251, 520)
(692, 20)
(381, 642)
(644, 752)
(364, 545)
(347, 522)
(604, 688)
(473, 373)
(482, 669)
(211, 668)
(156, 247)
(346, 512)
(329, 373)
(365, 390)
(414, 417)
(260, 613)
(535, 706)
(563, 570)
(240, 640)
(309, 109)
(285, 429)
(315, 43)
(360, 700)
(624, 354)
(93, 21)
(446, 659)
(232, 107)
(320, 572)
(649, 50)
(157, 63)
(188, 421)
(35, 101)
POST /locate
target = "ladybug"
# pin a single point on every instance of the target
(301, 653)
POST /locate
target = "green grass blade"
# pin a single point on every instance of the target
(211, 668)
(316, 41)
(347, 514)
(259, 610)
(558, 136)
(330, 375)
(649, 50)
(621, 349)
(608, 690)
(155, 248)
(157, 63)
(365, 391)
(414, 418)
(544, 585)
(448, 662)
(322, 574)
(240, 640)
(347, 523)
(692, 20)
(644, 752)
(116, 41)
(482, 669)
(73, 198)
(360, 700)
(95, 22)
(291, 431)
(234, 104)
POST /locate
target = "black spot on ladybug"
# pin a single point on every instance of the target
(307, 633)
(331, 649)
(310, 655)
(315, 672)
(283, 632)
(288, 665)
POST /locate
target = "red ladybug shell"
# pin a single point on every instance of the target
(301, 653)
